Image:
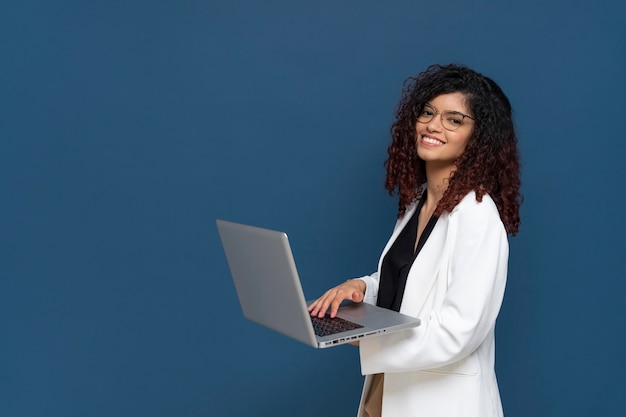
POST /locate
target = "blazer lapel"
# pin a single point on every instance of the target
(426, 269)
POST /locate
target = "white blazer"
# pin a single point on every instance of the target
(445, 367)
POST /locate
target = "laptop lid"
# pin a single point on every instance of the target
(270, 293)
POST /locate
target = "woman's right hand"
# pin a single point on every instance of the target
(353, 290)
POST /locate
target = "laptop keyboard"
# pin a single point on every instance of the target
(326, 326)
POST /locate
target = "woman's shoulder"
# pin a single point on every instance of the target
(469, 205)
(477, 218)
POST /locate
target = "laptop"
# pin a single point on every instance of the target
(270, 293)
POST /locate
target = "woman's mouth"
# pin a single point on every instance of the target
(431, 141)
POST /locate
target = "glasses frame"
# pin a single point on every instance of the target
(441, 114)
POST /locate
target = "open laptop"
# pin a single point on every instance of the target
(270, 293)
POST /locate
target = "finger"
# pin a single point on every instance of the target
(324, 307)
(357, 296)
(334, 307)
(320, 305)
(329, 300)
(315, 306)
(336, 303)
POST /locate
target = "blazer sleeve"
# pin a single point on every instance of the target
(475, 272)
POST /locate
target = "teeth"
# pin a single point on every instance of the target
(431, 140)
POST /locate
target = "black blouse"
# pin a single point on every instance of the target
(399, 259)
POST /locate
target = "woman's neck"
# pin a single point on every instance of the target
(437, 181)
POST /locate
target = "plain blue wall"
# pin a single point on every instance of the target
(127, 127)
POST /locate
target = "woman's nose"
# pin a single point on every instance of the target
(434, 125)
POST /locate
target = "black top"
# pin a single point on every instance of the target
(399, 259)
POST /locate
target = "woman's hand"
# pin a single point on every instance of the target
(353, 290)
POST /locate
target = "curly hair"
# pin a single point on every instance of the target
(490, 162)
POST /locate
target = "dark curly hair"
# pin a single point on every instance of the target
(490, 162)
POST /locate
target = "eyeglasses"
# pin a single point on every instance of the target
(450, 120)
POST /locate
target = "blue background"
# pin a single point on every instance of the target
(128, 127)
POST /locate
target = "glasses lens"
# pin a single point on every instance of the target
(426, 115)
(452, 120)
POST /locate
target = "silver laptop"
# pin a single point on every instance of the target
(270, 293)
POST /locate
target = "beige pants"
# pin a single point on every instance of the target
(374, 401)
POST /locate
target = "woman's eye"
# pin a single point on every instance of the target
(455, 119)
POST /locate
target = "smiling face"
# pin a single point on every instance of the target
(435, 144)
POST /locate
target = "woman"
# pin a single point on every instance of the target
(454, 163)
